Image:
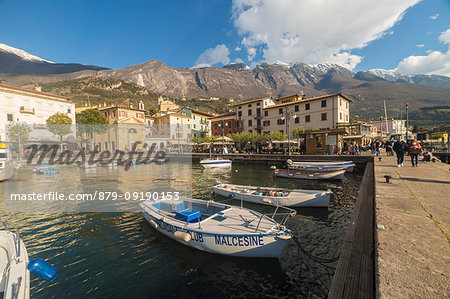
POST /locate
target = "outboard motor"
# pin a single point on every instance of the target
(42, 269)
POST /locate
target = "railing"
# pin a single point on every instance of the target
(258, 115)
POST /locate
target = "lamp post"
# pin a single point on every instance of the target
(222, 125)
(286, 116)
(406, 121)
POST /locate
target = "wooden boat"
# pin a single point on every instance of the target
(324, 165)
(6, 163)
(209, 163)
(219, 228)
(276, 196)
(310, 174)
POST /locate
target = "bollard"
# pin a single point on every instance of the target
(379, 158)
(387, 177)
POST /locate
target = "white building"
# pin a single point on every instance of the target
(265, 115)
(31, 107)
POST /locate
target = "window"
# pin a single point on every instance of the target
(215, 126)
(189, 127)
(324, 103)
(240, 107)
(296, 108)
(280, 121)
(240, 114)
(280, 111)
(266, 123)
(307, 107)
(340, 102)
(340, 115)
(249, 105)
(346, 105)
(346, 117)
(281, 131)
(68, 110)
(249, 122)
(258, 104)
(250, 112)
(106, 145)
(10, 117)
(195, 126)
(307, 118)
(249, 131)
(297, 120)
(266, 113)
(324, 116)
(229, 124)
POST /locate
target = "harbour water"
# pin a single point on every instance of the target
(121, 255)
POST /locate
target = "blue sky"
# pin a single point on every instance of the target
(411, 36)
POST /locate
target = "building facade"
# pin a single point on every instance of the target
(201, 124)
(295, 111)
(31, 107)
(177, 128)
(223, 124)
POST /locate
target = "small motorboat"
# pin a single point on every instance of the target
(310, 174)
(15, 266)
(7, 166)
(87, 165)
(219, 228)
(209, 163)
(276, 196)
(324, 165)
(46, 169)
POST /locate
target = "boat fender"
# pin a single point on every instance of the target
(289, 161)
(231, 195)
(153, 223)
(273, 167)
(182, 236)
(42, 269)
(266, 200)
(284, 237)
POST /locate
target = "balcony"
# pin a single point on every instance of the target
(204, 130)
(258, 127)
(258, 116)
(22, 109)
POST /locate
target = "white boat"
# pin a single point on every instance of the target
(324, 165)
(209, 163)
(15, 267)
(6, 163)
(46, 169)
(15, 278)
(219, 228)
(310, 174)
(276, 196)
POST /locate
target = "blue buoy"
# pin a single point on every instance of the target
(42, 269)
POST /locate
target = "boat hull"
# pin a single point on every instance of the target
(324, 166)
(259, 245)
(310, 175)
(6, 173)
(17, 268)
(319, 199)
(215, 163)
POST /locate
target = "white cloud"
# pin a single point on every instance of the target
(251, 53)
(238, 60)
(212, 56)
(435, 62)
(237, 49)
(315, 31)
(445, 37)
(420, 46)
(434, 17)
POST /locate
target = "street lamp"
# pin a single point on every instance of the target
(222, 125)
(286, 115)
(406, 121)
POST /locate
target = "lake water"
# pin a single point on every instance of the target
(121, 255)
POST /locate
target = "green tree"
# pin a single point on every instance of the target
(59, 124)
(90, 122)
(18, 132)
(152, 110)
(297, 133)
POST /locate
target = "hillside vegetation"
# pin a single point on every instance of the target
(96, 90)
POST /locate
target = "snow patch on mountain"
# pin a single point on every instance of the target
(391, 75)
(21, 53)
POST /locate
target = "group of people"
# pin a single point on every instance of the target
(412, 147)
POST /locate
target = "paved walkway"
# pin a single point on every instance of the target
(414, 246)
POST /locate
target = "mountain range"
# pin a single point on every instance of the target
(369, 89)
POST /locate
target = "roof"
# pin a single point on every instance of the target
(293, 95)
(224, 115)
(197, 112)
(34, 92)
(118, 107)
(310, 100)
(250, 101)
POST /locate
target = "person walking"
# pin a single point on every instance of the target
(414, 149)
(400, 148)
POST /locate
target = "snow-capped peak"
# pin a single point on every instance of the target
(390, 75)
(21, 53)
